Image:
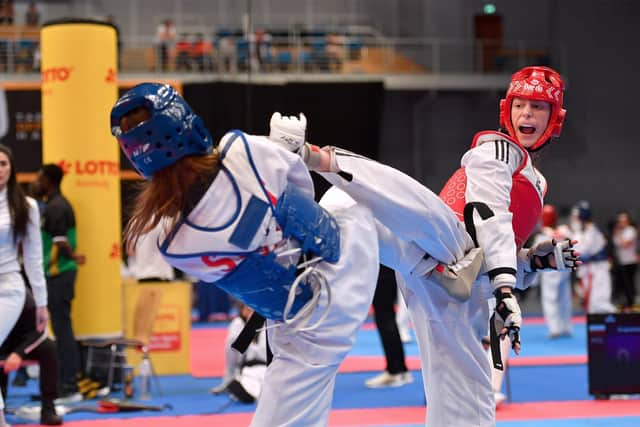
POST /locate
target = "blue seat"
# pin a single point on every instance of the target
(24, 50)
(354, 47)
(304, 58)
(319, 45)
(242, 53)
(284, 60)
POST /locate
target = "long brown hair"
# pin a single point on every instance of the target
(16, 199)
(168, 195)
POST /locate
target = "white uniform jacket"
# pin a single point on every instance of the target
(235, 217)
(200, 245)
(498, 172)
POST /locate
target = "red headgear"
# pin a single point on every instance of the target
(549, 216)
(541, 84)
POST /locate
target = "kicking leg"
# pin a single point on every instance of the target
(402, 204)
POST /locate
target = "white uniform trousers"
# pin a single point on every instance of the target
(299, 382)
(596, 284)
(12, 295)
(403, 319)
(555, 289)
(455, 367)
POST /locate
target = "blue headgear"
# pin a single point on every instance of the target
(583, 210)
(173, 131)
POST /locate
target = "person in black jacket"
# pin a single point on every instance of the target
(26, 342)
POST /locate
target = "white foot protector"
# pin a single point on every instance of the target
(457, 279)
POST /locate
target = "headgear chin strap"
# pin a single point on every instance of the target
(171, 132)
(540, 84)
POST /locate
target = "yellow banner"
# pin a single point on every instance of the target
(79, 87)
(170, 345)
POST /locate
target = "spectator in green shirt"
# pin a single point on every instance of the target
(60, 266)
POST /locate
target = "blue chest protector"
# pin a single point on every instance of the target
(306, 221)
(262, 283)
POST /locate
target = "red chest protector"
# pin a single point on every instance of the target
(526, 191)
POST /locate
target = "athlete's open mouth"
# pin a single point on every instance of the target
(527, 130)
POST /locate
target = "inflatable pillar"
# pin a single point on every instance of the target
(79, 87)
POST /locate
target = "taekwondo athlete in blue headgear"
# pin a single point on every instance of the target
(242, 215)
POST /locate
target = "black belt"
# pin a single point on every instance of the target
(485, 213)
(254, 362)
(241, 343)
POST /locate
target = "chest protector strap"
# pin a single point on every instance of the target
(306, 221)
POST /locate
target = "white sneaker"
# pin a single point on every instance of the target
(386, 379)
(70, 398)
(103, 392)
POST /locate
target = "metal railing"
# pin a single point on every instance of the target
(333, 53)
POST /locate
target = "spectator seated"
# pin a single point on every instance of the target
(183, 53)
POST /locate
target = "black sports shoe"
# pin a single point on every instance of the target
(48, 416)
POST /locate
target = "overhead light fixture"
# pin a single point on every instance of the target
(489, 8)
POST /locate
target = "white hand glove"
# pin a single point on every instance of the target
(508, 317)
(554, 255)
(288, 131)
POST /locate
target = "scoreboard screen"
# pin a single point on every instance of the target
(614, 353)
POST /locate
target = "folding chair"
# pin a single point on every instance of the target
(147, 305)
